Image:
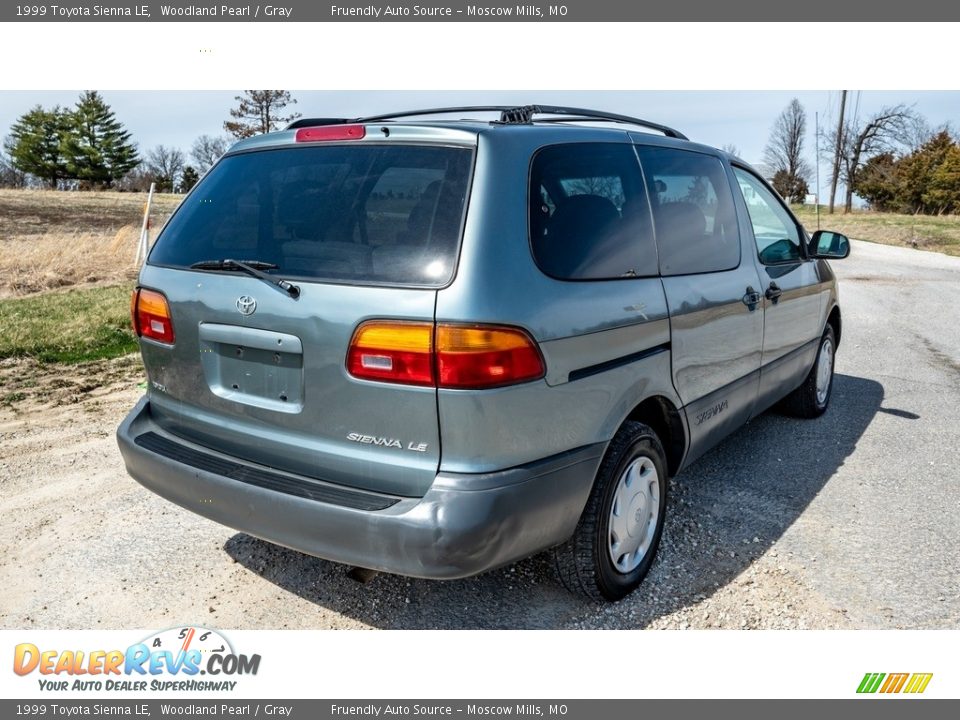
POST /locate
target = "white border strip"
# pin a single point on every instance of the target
(501, 56)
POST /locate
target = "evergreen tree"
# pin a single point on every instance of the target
(258, 112)
(35, 145)
(916, 170)
(791, 188)
(878, 182)
(188, 179)
(925, 180)
(943, 192)
(98, 148)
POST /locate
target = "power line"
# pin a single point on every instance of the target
(856, 110)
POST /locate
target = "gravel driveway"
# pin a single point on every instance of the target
(852, 520)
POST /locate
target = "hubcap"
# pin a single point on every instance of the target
(633, 515)
(824, 370)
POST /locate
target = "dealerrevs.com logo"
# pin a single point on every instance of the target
(172, 659)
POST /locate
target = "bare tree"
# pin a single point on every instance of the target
(884, 131)
(731, 149)
(206, 150)
(919, 132)
(608, 187)
(259, 112)
(784, 150)
(10, 175)
(166, 165)
(136, 180)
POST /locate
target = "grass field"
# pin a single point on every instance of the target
(924, 232)
(51, 239)
(77, 325)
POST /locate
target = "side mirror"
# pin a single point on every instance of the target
(829, 244)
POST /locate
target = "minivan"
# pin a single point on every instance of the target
(432, 346)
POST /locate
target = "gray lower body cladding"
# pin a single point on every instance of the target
(465, 524)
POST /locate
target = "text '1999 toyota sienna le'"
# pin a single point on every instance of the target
(433, 347)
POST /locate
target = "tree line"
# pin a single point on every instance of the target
(87, 148)
(890, 158)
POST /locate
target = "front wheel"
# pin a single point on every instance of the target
(617, 537)
(810, 400)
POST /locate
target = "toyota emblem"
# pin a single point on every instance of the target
(246, 305)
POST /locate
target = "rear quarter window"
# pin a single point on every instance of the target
(343, 213)
(693, 211)
(589, 216)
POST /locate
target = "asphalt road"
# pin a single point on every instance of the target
(882, 534)
(848, 521)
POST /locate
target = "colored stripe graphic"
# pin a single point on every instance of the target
(918, 683)
(870, 682)
(895, 682)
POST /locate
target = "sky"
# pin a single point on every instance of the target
(740, 118)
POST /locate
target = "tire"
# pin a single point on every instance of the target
(811, 399)
(585, 563)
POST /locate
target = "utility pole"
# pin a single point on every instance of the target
(816, 140)
(836, 152)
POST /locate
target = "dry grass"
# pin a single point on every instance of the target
(940, 233)
(51, 239)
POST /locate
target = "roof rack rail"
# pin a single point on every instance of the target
(314, 122)
(571, 114)
(509, 115)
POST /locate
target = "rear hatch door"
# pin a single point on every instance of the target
(363, 230)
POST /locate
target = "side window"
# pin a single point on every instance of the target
(589, 216)
(776, 234)
(693, 211)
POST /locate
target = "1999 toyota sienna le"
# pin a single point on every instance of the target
(433, 347)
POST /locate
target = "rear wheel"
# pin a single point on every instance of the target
(811, 399)
(616, 539)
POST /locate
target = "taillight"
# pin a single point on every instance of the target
(150, 313)
(484, 356)
(447, 356)
(399, 352)
(331, 132)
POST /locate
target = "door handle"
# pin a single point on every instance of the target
(752, 298)
(773, 293)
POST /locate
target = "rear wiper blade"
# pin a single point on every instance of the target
(229, 264)
(251, 267)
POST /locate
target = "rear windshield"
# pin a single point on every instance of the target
(353, 214)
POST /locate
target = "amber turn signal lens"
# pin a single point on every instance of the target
(398, 352)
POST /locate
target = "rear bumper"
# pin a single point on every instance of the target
(464, 525)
